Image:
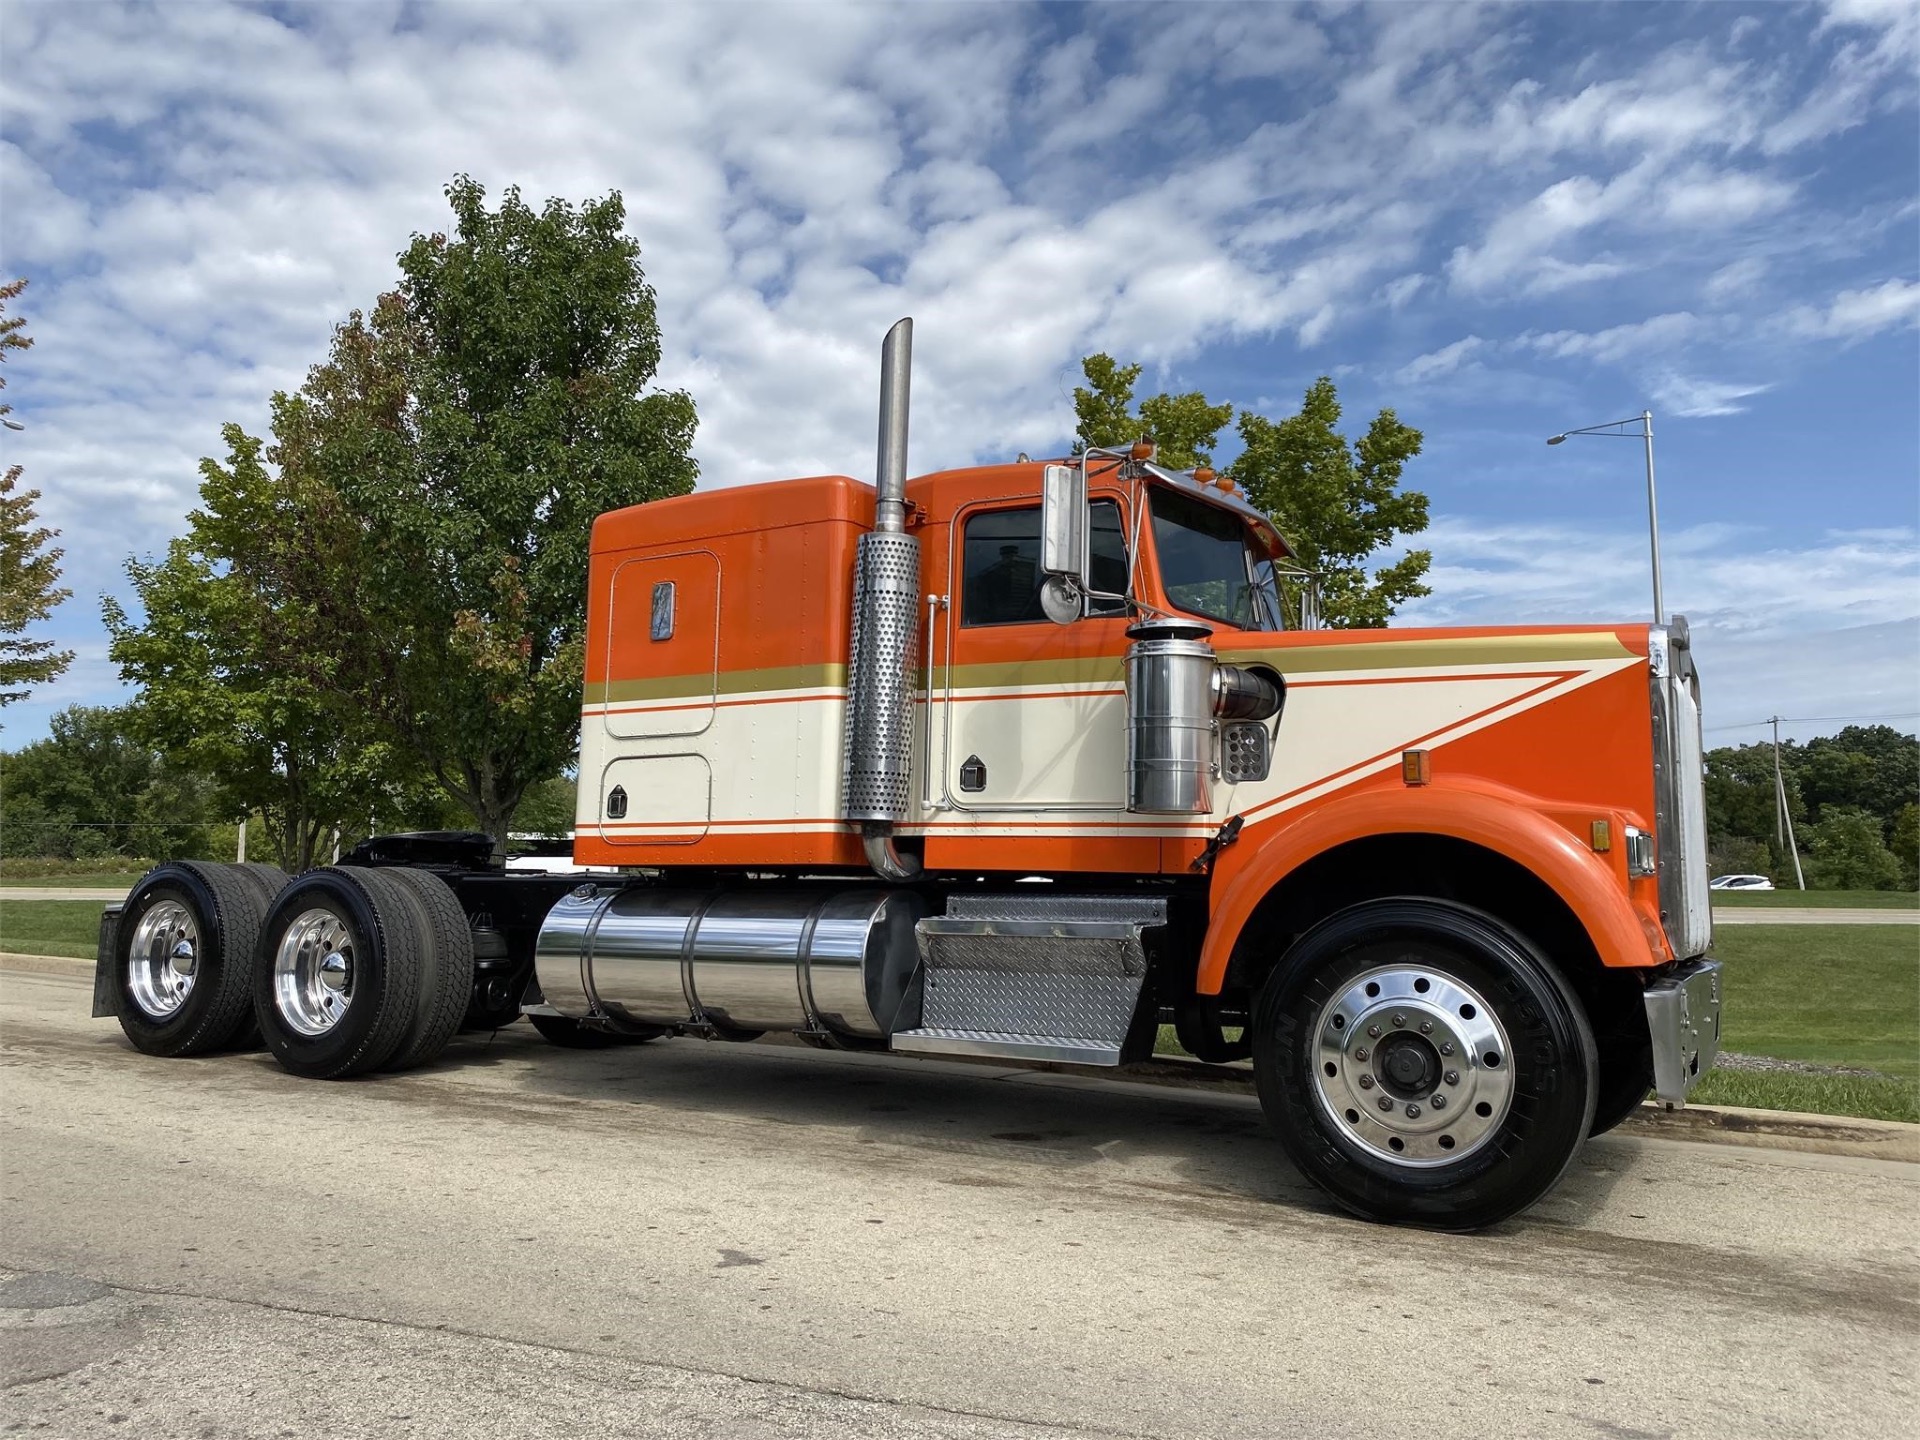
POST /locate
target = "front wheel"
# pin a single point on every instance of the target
(1422, 1062)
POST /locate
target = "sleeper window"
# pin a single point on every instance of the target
(1001, 565)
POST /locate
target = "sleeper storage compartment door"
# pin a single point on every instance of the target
(655, 800)
(663, 646)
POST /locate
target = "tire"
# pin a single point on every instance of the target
(1510, 1034)
(1622, 1088)
(446, 966)
(359, 928)
(215, 914)
(572, 1035)
(267, 881)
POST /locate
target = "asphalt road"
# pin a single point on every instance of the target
(684, 1239)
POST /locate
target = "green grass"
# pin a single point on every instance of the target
(1817, 899)
(1831, 994)
(50, 927)
(1855, 1095)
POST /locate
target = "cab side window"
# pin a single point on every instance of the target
(1000, 565)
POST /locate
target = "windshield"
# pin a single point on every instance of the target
(1209, 565)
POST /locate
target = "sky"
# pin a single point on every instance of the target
(1503, 221)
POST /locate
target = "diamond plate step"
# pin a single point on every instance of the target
(1032, 978)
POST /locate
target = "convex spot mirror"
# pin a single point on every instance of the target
(1064, 527)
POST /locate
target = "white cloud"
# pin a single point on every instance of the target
(1695, 398)
(1856, 314)
(1438, 363)
(1655, 335)
(1736, 279)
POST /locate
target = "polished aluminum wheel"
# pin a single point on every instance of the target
(163, 959)
(1413, 1065)
(313, 972)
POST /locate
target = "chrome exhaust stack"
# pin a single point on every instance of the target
(877, 766)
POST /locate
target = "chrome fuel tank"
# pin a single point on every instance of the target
(812, 960)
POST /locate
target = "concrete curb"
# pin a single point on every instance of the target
(1701, 1124)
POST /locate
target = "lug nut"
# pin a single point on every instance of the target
(1453, 1077)
(1439, 1102)
(1361, 1053)
(1446, 1047)
(1398, 1021)
(1366, 1082)
(1386, 1102)
(1413, 1112)
(1374, 1031)
(1426, 1027)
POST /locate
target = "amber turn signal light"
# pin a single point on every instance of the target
(1602, 835)
(1415, 767)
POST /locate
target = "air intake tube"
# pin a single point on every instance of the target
(877, 766)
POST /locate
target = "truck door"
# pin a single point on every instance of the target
(1035, 712)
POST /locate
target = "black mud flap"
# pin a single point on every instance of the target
(106, 995)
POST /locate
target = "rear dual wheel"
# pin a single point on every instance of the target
(362, 969)
(1422, 1062)
(183, 957)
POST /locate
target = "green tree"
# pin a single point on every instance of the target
(438, 476)
(1873, 767)
(1184, 428)
(1905, 845)
(547, 811)
(1743, 813)
(214, 696)
(28, 569)
(93, 789)
(1845, 852)
(1338, 503)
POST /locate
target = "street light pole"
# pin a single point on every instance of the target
(1618, 427)
(1653, 523)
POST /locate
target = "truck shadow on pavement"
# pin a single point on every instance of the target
(977, 1125)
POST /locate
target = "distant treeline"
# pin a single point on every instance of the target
(96, 790)
(1852, 797)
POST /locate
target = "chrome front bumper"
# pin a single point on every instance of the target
(1683, 1016)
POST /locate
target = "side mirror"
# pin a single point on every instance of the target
(1063, 542)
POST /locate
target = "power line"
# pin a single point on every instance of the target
(1809, 720)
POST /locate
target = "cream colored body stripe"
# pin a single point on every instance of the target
(769, 761)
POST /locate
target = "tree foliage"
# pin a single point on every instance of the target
(214, 697)
(28, 568)
(94, 789)
(1847, 852)
(1339, 503)
(429, 492)
(1831, 782)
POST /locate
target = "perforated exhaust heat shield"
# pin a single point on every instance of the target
(886, 594)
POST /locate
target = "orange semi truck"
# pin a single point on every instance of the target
(1026, 761)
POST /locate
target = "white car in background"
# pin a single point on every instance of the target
(1740, 882)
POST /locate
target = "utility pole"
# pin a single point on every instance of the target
(1783, 818)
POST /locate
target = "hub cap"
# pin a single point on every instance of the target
(163, 959)
(313, 972)
(1411, 1064)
